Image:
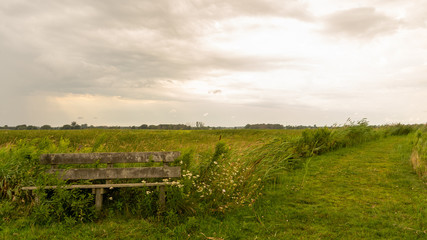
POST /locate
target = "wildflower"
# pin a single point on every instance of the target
(165, 180)
(143, 181)
(215, 162)
(223, 190)
(111, 188)
(148, 192)
(110, 198)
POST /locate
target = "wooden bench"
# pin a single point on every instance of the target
(110, 172)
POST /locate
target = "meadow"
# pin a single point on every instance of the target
(236, 184)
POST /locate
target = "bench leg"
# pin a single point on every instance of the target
(98, 198)
(162, 199)
(36, 197)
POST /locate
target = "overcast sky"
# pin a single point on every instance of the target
(224, 63)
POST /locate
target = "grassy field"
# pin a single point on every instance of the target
(366, 191)
(149, 140)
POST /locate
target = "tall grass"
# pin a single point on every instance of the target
(217, 175)
(419, 153)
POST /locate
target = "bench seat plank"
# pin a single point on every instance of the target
(117, 173)
(111, 185)
(112, 157)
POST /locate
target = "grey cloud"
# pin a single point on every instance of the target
(98, 47)
(364, 23)
(235, 62)
(415, 11)
(286, 9)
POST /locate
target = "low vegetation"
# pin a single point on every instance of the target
(223, 170)
(419, 153)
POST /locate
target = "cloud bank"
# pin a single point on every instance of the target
(133, 62)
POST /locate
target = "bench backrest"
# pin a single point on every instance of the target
(110, 158)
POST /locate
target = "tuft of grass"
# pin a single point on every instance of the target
(419, 153)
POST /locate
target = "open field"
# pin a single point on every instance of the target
(336, 189)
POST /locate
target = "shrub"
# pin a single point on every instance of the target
(19, 166)
(63, 205)
(400, 129)
(313, 142)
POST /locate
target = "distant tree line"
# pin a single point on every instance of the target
(275, 126)
(74, 125)
(264, 126)
(164, 127)
(199, 125)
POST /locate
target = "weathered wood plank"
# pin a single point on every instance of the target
(117, 173)
(112, 185)
(114, 157)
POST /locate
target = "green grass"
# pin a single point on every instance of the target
(148, 140)
(364, 192)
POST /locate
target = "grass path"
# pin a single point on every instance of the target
(366, 192)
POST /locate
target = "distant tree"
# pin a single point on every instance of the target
(264, 126)
(31, 127)
(66, 127)
(143, 126)
(200, 125)
(74, 125)
(21, 127)
(45, 127)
